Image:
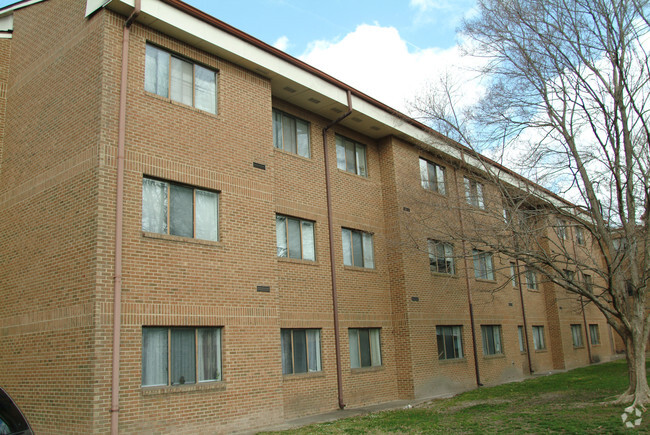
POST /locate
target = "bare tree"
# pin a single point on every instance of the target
(567, 87)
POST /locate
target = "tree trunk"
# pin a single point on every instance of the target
(638, 391)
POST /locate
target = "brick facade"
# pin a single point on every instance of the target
(59, 108)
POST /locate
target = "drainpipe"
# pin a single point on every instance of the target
(582, 307)
(119, 206)
(467, 282)
(523, 314)
(337, 344)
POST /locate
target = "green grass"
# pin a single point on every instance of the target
(568, 403)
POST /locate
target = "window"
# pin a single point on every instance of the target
(561, 229)
(441, 257)
(513, 274)
(290, 134)
(474, 193)
(483, 266)
(576, 335)
(300, 351)
(170, 208)
(450, 342)
(365, 347)
(357, 249)
(186, 82)
(538, 338)
(351, 156)
(594, 334)
(580, 236)
(177, 356)
(295, 238)
(522, 340)
(531, 279)
(491, 339)
(569, 275)
(432, 176)
(589, 283)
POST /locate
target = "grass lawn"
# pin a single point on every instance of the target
(571, 402)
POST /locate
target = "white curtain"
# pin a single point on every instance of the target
(206, 89)
(156, 71)
(313, 344)
(154, 356)
(340, 153)
(355, 362)
(289, 134)
(361, 160)
(368, 253)
(209, 354)
(183, 354)
(182, 86)
(154, 206)
(440, 178)
(347, 246)
(424, 174)
(207, 215)
(308, 248)
(375, 346)
(302, 136)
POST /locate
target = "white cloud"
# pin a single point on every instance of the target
(376, 60)
(282, 43)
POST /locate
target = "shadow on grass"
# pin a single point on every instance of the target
(570, 402)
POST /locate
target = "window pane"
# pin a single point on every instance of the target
(287, 364)
(479, 195)
(308, 248)
(375, 346)
(209, 354)
(156, 71)
(302, 137)
(449, 257)
(355, 362)
(340, 153)
(181, 211)
(440, 178)
(368, 255)
(347, 246)
(207, 215)
(206, 89)
(281, 234)
(440, 343)
(154, 356)
(182, 81)
(468, 190)
(313, 344)
(361, 160)
(458, 342)
(364, 347)
(424, 174)
(520, 331)
(154, 206)
(350, 164)
(182, 356)
(295, 250)
(299, 351)
(357, 249)
(277, 129)
(289, 133)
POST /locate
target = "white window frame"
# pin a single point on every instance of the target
(291, 134)
(474, 193)
(351, 156)
(441, 264)
(358, 343)
(492, 343)
(290, 339)
(483, 265)
(158, 213)
(306, 235)
(366, 259)
(175, 83)
(163, 359)
(432, 176)
(444, 333)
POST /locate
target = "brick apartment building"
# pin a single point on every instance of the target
(260, 247)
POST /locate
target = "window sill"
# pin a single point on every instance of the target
(495, 356)
(360, 269)
(367, 369)
(363, 177)
(435, 192)
(297, 261)
(490, 281)
(299, 376)
(179, 104)
(445, 275)
(532, 290)
(578, 347)
(289, 153)
(170, 238)
(452, 361)
(174, 389)
(541, 350)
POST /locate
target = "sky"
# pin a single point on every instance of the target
(387, 49)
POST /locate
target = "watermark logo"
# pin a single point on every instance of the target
(631, 417)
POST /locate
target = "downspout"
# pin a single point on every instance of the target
(523, 314)
(467, 282)
(337, 344)
(582, 307)
(119, 207)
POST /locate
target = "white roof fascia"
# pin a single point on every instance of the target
(9, 9)
(93, 5)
